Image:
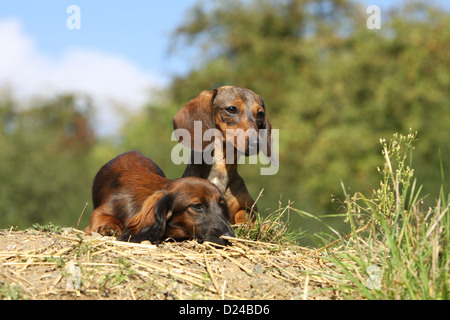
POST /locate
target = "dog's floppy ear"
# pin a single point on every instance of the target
(195, 112)
(150, 222)
(265, 135)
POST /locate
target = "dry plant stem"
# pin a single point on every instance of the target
(240, 265)
(211, 274)
(233, 239)
(344, 238)
(257, 198)
(175, 275)
(81, 215)
(305, 290)
(180, 268)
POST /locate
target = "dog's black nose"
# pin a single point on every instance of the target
(230, 234)
(224, 230)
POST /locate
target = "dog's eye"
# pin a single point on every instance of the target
(231, 109)
(222, 204)
(260, 115)
(199, 207)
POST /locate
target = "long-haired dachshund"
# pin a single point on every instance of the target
(134, 201)
(226, 108)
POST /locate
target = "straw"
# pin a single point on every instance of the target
(112, 269)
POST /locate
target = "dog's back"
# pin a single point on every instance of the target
(129, 178)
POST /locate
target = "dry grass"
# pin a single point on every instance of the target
(71, 265)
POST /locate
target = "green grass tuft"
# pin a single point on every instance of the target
(398, 249)
(273, 228)
(49, 227)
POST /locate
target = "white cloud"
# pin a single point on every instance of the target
(111, 81)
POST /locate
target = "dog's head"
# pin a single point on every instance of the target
(188, 208)
(237, 114)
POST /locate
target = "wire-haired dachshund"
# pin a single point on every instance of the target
(134, 201)
(238, 116)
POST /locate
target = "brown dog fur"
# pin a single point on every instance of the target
(134, 201)
(226, 108)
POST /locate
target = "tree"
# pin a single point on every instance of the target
(46, 168)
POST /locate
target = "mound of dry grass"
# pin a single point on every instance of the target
(71, 265)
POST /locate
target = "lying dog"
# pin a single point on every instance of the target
(134, 201)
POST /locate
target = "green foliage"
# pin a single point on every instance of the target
(272, 228)
(150, 133)
(46, 169)
(11, 292)
(398, 249)
(50, 227)
(109, 280)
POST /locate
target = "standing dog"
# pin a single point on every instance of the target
(238, 116)
(134, 201)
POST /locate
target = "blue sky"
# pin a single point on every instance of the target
(136, 29)
(117, 57)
